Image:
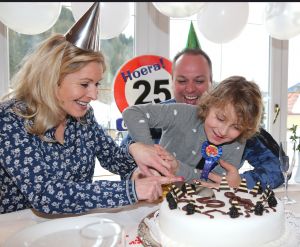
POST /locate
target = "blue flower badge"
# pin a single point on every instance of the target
(211, 154)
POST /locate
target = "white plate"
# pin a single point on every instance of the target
(57, 232)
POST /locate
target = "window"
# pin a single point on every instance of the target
(117, 51)
(294, 83)
(250, 54)
(293, 97)
(237, 57)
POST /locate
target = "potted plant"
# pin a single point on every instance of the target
(296, 147)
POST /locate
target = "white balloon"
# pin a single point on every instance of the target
(79, 8)
(114, 16)
(282, 20)
(223, 22)
(29, 17)
(178, 9)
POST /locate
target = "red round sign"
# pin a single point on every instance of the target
(143, 79)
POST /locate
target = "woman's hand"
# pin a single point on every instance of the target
(137, 174)
(150, 188)
(155, 157)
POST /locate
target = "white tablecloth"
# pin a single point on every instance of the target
(130, 216)
(293, 192)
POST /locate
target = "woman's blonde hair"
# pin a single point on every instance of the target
(243, 95)
(42, 72)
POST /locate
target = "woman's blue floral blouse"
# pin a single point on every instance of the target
(55, 178)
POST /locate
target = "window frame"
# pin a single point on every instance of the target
(4, 59)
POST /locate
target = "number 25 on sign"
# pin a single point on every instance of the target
(143, 79)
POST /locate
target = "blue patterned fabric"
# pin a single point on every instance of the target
(55, 178)
(266, 165)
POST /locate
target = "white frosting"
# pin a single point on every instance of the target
(178, 229)
(288, 239)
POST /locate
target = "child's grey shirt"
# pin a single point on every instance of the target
(182, 134)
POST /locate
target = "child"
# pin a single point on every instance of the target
(198, 136)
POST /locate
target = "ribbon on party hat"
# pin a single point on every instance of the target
(85, 33)
(211, 154)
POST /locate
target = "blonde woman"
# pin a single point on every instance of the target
(50, 139)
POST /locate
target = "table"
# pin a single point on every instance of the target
(293, 192)
(11, 223)
(131, 215)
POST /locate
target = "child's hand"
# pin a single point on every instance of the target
(232, 174)
(147, 157)
(166, 156)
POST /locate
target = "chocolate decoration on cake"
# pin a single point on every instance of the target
(233, 212)
(267, 192)
(190, 208)
(255, 189)
(240, 218)
(243, 186)
(215, 203)
(246, 203)
(203, 199)
(243, 206)
(235, 203)
(260, 189)
(170, 196)
(183, 188)
(172, 203)
(178, 193)
(196, 209)
(224, 184)
(259, 208)
(193, 187)
(272, 202)
(211, 211)
(229, 194)
(247, 213)
(211, 203)
(186, 200)
(188, 189)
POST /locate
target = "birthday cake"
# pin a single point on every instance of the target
(194, 216)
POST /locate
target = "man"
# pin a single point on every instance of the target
(191, 77)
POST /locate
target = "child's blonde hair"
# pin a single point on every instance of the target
(243, 95)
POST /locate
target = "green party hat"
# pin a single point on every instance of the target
(192, 41)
